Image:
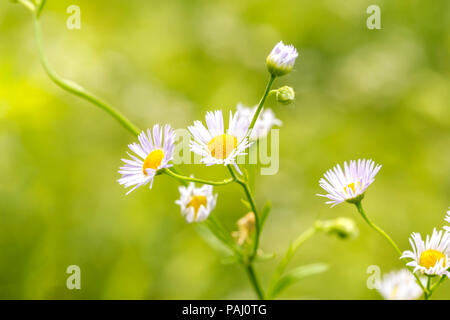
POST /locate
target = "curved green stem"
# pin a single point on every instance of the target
(246, 187)
(249, 195)
(433, 287)
(437, 283)
(75, 88)
(428, 294)
(191, 179)
(248, 264)
(376, 228)
(260, 105)
(389, 239)
(254, 281)
(250, 199)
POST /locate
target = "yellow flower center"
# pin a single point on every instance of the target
(153, 160)
(221, 146)
(196, 202)
(429, 258)
(352, 186)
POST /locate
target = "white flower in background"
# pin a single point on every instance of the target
(281, 59)
(350, 184)
(400, 285)
(214, 144)
(152, 154)
(266, 120)
(432, 256)
(447, 218)
(196, 203)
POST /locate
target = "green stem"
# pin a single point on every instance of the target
(197, 180)
(30, 6)
(428, 294)
(248, 264)
(260, 105)
(303, 237)
(254, 281)
(248, 193)
(307, 234)
(75, 88)
(250, 199)
(39, 8)
(434, 286)
(376, 228)
(222, 235)
(438, 283)
(389, 239)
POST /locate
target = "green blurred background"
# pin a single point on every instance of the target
(381, 94)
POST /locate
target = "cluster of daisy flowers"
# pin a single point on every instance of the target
(429, 257)
(219, 143)
(216, 142)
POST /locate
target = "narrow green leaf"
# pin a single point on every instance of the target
(295, 275)
(213, 239)
(264, 213)
(246, 204)
(261, 256)
(222, 233)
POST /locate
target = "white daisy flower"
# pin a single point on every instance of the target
(196, 203)
(432, 256)
(266, 120)
(400, 285)
(350, 184)
(152, 154)
(281, 59)
(214, 144)
(447, 218)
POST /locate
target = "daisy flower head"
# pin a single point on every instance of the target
(447, 218)
(214, 144)
(152, 153)
(281, 59)
(430, 256)
(400, 285)
(196, 203)
(349, 184)
(266, 120)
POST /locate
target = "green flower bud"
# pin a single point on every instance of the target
(344, 228)
(285, 95)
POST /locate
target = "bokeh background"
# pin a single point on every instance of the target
(381, 94)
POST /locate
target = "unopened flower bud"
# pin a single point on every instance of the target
(281, 59)
(344, 228)
(285, 95)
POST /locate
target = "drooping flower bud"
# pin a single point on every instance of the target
(285, 95)
(281, 59)
(342, 227)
